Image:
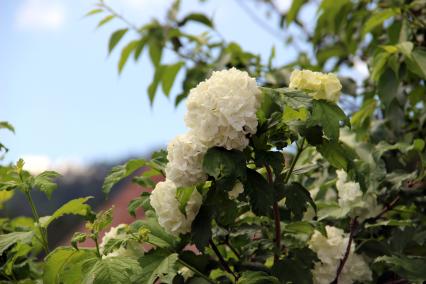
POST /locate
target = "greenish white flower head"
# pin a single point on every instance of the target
(222, 110)
(163, 200)
(133, 248)
(321, 86)
(185, 155)
(330, 250)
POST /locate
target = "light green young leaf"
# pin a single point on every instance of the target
(125, 53)
(7, 125)
(5, 195)
(8, 240)
(64, 265)
(115, 38)
(19, 251)
(44, 182)
(120, 172)
(294, 10)
(152, 88)
(93, 12)
(155, 50)
(74, 207)
(158, 264)
(105, 20)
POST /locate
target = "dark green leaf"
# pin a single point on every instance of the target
(158, 264)
(411, 268)
(201, 229)
(337, 154)
(297, 198)
(155, 49)
(327, 115)
(295, 268)
(257, 277)
(197, 17)
(7, 125)
(294, 10)
(260, 193)
(377, 19)
(140, 202)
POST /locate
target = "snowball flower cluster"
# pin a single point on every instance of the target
(185, 155)
(163, 199)
(322, 86)
(222, 110)
(132, 249)
(350, 196)
(330, 251)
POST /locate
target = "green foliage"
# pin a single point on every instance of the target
(74, 207)
(158, 264)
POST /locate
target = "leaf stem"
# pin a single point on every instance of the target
(293, 163)
(199, 273)
(98, 252)
(353, 227)
(42, 230)
(221, 259)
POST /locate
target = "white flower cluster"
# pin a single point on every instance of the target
(350, 196)
(322, 86)
(221, 112)
(163, 199)
(330, 250)
(133, 248)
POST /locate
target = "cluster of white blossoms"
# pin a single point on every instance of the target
(330, 250)
(221, 112)
(350, 196)
(132, 249)
(163, 199)
(321, 86)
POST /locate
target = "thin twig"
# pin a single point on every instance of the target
(221, 259)
(388, 207)
(237, 254)
(353, 227)
(293, 163)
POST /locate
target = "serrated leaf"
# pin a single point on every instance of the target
(115, 38)
(169, 76)
(140, 202)
(120, 270)
(297, 198)
(105, 20)
(8, 240)
(327, 115)
(103, 219)
(295, 268)
(64, 265)
(158, 264)
(125, 53)
(157, 235)
(120, 172)
(411, 268)
(74, 207)
(44, 182)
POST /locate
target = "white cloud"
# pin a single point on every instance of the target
(36, 164)
(40, 15)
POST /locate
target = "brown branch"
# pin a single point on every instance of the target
(353, 227)
(388, 207)
(277, 217)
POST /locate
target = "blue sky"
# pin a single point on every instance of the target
(62, 91)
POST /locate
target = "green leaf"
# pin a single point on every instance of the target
(140, 202)
(120, 270)
(379, 63)
(411, 268)
(120, 172)
(157, 236)
(8, 240)
(300, 227)
(294, 10)
(392, 223)
(158, 264)
(105, 20)
(337, 154)
(19, 251)
(115, 38)
(5, 195)
(257, 277)
(103, 219)
(44, 182)
(201, 228)
(327, 115)
(64, 265)
(260, 193)
(387, 88)
(183, 195)
(152, 88)
(297, 198)
(197, 17)
(93, 12)
(74, 207)
(364, 113)
(295, 268)
(377, 19)
(155, 49)
(416, 62)
(225, 166)
(169, 76)
(77, 238)
(7, 125)
(125, 53)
